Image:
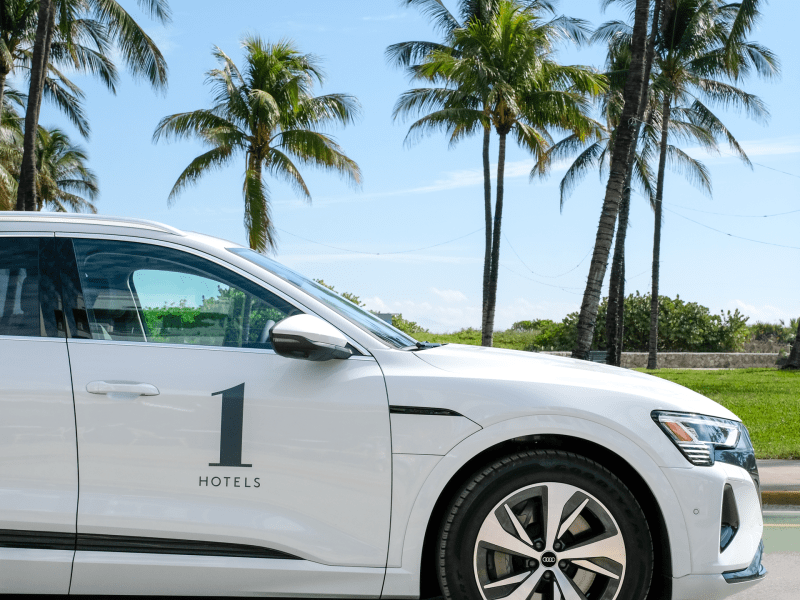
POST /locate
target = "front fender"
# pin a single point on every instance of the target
(406, 549)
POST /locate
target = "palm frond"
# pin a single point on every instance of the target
(405, 54)
(692, 169)
(215, 158)
(197, 123)
(319, 150)
(137, 49)
(257, 212)
(281, 166)
(436, 12)
(69, 103)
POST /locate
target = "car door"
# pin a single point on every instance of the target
(208, 463)
(38, 459)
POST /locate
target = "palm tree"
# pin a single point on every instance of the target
(407, 54)
(619, 58)
(10, 144)
(82, 45)
(64, 181)
(695, 63)
(502, 72)
(635, 90)
(268, 115)
(107, 24)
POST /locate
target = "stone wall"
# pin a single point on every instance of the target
(699, 360)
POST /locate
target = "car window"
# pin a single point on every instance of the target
(19, 287)
(145, 293)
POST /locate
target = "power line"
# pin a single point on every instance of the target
(732, 215)
(730, 234)
(564, 289)
(379, 253)
(539, 274)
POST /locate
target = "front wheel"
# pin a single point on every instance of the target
(545, 525)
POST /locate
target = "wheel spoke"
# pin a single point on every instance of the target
(523, 535)
(571, 519)
(612, 548)
(507, 581)
(569, 590)
(495, 537)
(557, 497)
(526, 588)
(590, 566)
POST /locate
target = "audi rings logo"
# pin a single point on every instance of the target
(548, 559)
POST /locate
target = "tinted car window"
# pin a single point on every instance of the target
(145, 293)
(30, 304)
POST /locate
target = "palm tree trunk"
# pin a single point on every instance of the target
(615, 318)
(794, 356)
(3, 75)
(488, 332)
(26, 193)
(616, 288)
(652, 359)
(487, 258)
(635, 86)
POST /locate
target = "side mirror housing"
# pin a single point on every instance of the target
(309, 338)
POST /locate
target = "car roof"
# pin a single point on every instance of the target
(33, 223)
(52, 221)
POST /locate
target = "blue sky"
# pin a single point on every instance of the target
(420, 196)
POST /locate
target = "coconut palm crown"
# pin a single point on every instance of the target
(266, 114)
(501, 73)
(64, 182)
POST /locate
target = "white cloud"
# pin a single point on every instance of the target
(164, 37)
(391, 17)
(450, 296)
(753, 148)
(765, 313)
(450, 180)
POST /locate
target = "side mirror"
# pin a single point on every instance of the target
(309, 338)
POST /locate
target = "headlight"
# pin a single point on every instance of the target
(698, 436)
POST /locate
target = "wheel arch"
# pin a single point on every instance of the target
(662, 571)
(597, 442)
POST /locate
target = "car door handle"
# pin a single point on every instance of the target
(122, 387)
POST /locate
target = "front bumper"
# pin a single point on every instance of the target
(712, 499)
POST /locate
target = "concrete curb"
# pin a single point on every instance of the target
(784, 498)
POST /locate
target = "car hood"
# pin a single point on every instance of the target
(557, 382)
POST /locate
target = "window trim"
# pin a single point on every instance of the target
(43, 278)
(205, 256)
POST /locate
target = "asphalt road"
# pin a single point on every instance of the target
(782, 558)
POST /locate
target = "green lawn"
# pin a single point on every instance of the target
(515, 340)
(767, 400)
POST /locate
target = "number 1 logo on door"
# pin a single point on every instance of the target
(230, 435)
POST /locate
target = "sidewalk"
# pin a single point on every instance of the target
(780, 482)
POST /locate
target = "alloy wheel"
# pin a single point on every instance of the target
(549, 541)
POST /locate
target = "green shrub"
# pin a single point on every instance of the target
(778, 332)
(682, 326)
(346, 295)
(409, 327)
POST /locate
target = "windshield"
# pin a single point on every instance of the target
(358, 316)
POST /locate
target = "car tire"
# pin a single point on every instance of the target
(599, 543)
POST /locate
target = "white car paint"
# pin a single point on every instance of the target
(351, 487)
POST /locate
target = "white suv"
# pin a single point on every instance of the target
(181, 415)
